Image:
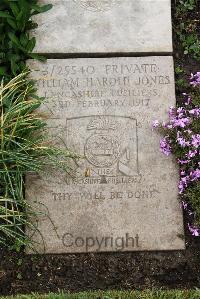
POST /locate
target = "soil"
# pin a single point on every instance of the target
(78, 272)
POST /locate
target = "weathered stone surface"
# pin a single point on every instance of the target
(124, 187)
(97, 26)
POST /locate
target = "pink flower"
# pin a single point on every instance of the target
(181, 112)
(172, 112)
(183, 142)
(196, 140)
(195, 175)
(195, 79)
(183, 184)
(182, 128)
(184, 205)
(182, 122)
(188, 131)
(165, 146)
(194, 230)
(155, 124)
(188, 99)
(182, 172)
(168, 126)
(183, 161)
(191, 153)
(190, 212)
(195, 112)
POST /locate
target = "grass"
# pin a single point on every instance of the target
(24, 147)
(147, 294)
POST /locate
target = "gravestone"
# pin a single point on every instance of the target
(105, 26)
(124, 194)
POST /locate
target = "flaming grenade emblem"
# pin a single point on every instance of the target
(102, 148)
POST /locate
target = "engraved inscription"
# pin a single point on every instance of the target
(97, 5)
(118, 85)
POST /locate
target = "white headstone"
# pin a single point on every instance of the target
(105, 26)
(124, 195)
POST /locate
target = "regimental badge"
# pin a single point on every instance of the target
(109, 145)
(98, 5)
(102, 148)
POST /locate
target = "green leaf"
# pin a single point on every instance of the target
(16, 41)
(24, 40)
(31, 44)
(14, 8)
(12, 24)
(5, 15)
(14, 67)
(40, 9)
(2, 70)
(19, 16)
(37, 56)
